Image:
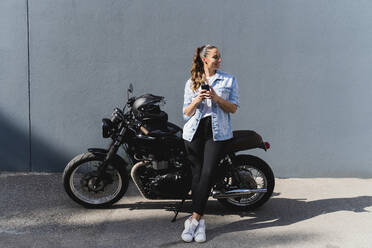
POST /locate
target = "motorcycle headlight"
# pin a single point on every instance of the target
(116, 116)
(107, 128)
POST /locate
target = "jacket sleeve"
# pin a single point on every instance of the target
(187, 99)
(234, 95)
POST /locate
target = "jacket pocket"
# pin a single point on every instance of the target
(224, 92)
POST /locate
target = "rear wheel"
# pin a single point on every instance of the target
(80, 179)
(254, 173)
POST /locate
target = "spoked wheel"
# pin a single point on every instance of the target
(253, 173)
(84, 185)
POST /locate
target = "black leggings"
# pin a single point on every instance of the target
(204, 154)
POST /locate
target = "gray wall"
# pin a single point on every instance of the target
(14, 114)
(303, 69)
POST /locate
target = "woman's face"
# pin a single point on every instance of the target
(213, 59)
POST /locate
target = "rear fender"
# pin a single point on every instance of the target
(245, 140)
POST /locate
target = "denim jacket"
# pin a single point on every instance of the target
(226, 86)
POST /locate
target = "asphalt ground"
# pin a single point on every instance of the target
(319, 212)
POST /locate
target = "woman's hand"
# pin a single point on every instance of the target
(190, 110)
(213, 95)
(224, 104)
(202, 95)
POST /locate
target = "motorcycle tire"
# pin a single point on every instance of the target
(79, 160)
(261, 166)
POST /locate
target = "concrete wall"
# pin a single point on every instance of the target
(303, 69)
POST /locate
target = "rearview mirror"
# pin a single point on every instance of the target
(130, 90)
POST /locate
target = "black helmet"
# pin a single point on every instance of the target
(146, 108)
(147, 104)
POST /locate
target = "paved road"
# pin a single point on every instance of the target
(329, 213)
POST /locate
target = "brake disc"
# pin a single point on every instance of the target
(89, 181)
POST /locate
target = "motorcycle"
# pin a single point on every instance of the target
(156, 160)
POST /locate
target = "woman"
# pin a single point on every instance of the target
(207, 129)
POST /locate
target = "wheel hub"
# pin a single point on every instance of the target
(246, 179)
(92, 183)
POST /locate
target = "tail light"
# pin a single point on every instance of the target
(267, 145)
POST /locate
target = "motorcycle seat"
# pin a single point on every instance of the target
(245, 140)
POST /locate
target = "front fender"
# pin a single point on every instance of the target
(103, 152)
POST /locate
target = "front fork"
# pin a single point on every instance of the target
(111, 152)
(113, 148)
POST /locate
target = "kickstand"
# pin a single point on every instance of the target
(178, 209)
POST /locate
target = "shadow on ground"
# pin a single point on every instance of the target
(37, 204)
(277, 212)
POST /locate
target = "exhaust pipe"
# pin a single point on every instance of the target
(236, 193)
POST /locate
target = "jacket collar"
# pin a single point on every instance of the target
(217, 76)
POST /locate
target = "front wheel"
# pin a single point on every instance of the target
(253, 173)
(81, 182)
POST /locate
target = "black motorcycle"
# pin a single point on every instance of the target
(156, 160)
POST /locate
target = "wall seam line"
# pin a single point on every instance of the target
(29, 85)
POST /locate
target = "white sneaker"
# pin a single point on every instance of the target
(190, 227)
(200, 235)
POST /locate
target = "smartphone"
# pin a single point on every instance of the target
(205, 87)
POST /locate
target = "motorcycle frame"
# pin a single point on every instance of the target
(115, 144)
(118, 140)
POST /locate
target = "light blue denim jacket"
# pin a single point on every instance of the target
(226, 86)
